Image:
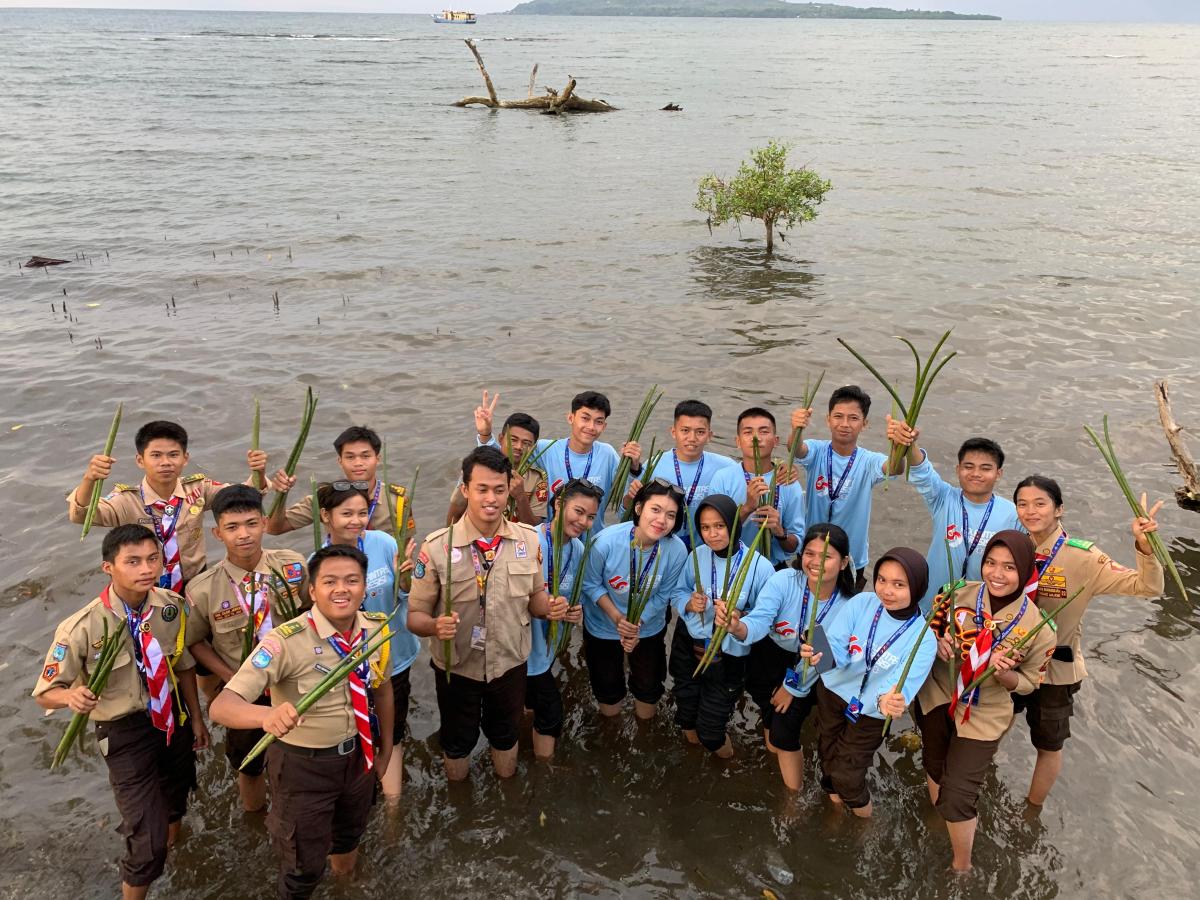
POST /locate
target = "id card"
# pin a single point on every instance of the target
(792, 680)
(478, 637)
(853, 709)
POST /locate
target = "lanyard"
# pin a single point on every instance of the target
(247, 604)
(483, 572)
(871, 660)
(137, 624)
(164, 526)
(1000, 638)
(329, 540)
(734, 564)
(635, 582)
(835, 492)
(373, 504)
(1045, 564)
(821, 613)
(362, 670)
(679, 477)
(774, 497)
(567, 461)
(987, 514)
(550, 558)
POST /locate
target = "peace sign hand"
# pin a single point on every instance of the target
(1145, 524)
(484, 413)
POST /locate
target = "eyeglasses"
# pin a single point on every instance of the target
(350, 485)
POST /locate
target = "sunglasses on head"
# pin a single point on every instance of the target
(671, 487)
(349, 485)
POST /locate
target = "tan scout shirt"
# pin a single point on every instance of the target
(299, 513)
(124, 506)
(292, 660)
(1078, 566)
(992, 715)
(77, 643)
(516, 576)
(218, 614)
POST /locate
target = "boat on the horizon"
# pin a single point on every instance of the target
(454, 17)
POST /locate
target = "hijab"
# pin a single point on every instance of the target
(1021, 548)
(727, 509)
(916, 570)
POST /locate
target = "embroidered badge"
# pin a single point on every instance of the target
(423, 557)
(522, 551)
(225, 604)
(170, 611)
(455, 555)
(261, 658)
(50, 671)
(60, 652)
(271, 645)
(542, 492)
(294, 573)
(419, 569)
(228, 613)
(618, 583)
(287, 629)
(318, 650)
(324, 670)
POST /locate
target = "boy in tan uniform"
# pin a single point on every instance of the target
(220, 600)
(140, 726)
(528, 494)
(167, 502)
(496, 585)
(324, 767)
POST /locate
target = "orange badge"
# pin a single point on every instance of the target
(542, 493)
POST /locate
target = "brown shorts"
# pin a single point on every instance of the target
(151, 781)
(240, 741)
(319, 805)
(1048, 711)
(956, 764)
(847, 749)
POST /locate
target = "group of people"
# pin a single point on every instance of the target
(767, 554)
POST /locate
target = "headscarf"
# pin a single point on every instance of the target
(727, 509)
(839, 541)
(916, 570)
(1021, 548)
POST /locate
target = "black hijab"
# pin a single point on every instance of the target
(1021, 548)
(727, 509)
(916, 570)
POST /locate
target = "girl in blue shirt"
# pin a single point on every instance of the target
(870, 641)
(704, 704)
(623, 559)
(772, 630)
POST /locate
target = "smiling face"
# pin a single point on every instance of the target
(347, 521)
(656, 517)
(846, 422)
(691, 435)
(163, 460)
(241, 533)
(486, 495)
(359, 461)
(891, 586)
(713, 529)
(135, 569)
(978, 475)
(587, 425)
(579, 512)
(517, 442)
(338, 590)
(1000, 572)
(810, 564)
(1038, 512)
(757, 427)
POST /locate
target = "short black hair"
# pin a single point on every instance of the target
(982, 445)
(576, 487)
(851, 393)
(694, 408)
(526, 421)
(335, 551)
(160, 430)
(591, 400)
(755, 412)
(659, 488)
(487, 456)
(329, 497)
(235, 498)
(125, 536)
(1042, 483)
(354, 434)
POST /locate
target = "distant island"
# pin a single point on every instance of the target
(734, 9)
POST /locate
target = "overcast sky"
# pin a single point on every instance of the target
(1072, 10)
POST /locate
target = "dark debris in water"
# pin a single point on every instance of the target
(22, 592)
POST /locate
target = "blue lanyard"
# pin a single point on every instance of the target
(871, 660)
(164, 527)
(635, 582)
(329, 540)
(1045, 564)
(363, 669)
(1003, 635)
(987, 514)
(134, 621)
(734, 564)
(679, 477)
(567, 461)
(550, 558)
(835, 492)
(821, 613)
(371, 507)
(748, 476)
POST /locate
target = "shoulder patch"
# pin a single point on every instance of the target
(433, 536)
(1080, 543)
(192, 479)
(374, 616)
(124, 487)
(531, 531)
(287, 629)
(397, 489)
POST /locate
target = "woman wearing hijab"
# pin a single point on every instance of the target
(960, 731)
(870, 640)
(772, 630)
(704, 703)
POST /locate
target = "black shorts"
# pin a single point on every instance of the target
(957, 765)
(765, 670)
(606, 668)
(467, 706)
(785, 727)
(240, 741)
(401, 691)
(1048, 712)
(151, 780)
(705, 703)
(545, 699)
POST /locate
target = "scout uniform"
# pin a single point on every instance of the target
(300, 513)
(133, 746)
(1066, 565)
(492, 644)
(322, 788)
(959, 745)
(219, 599)
(177, 521)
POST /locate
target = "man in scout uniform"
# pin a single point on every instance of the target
(358, 449)
(147, 716)
(493, 567)
(271, 585)
(528, 494)
(324, 767)
(167, 502)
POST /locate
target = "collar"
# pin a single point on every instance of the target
(1048, 544)
(151, 496)
(325, 629)
(465, 531)
(237, 573)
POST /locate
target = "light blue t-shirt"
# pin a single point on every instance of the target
(732, 481)
(540, 658)
(848, 638)
(946, 503)
(561, 464)
(608, 573)
(781, 610)
(851, 508)
(712, 578)
(693, 478)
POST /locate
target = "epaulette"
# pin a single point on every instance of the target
(1080, 544)
(287, 629)
(537, 471)
(124, 487)
(374, 616)
(169, 595)
(532, 529)
(74, 619)
(434, 535)
(202, 578)
(192, 479)
(397, 489)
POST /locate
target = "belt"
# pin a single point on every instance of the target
(139, 719)
(345, 748)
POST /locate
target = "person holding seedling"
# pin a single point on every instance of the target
(476, 586)
(1067, 566)
(528, 492)
(235, 604)
(721, 572)
(629, 580)
(121, 663)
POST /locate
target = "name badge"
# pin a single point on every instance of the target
(522, 551)
(478, 637)
(853, 709)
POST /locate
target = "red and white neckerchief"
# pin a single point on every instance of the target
(976, 661)
(151, 663)
(165, 515)
(254, 602)
(357, 681)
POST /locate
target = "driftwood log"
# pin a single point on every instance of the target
(1187, 496)
(40, 262)
(552, 102)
